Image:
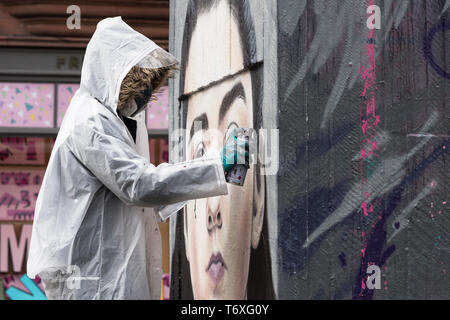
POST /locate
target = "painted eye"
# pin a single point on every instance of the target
(199, 151)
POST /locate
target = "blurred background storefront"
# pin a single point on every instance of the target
(41, 55)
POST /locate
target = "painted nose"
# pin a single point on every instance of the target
(214, 217)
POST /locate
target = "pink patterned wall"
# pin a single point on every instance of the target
(158, 111)
(26, 104)
(65, 94)
(31, 105)
(22, 150)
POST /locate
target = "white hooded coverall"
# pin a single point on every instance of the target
(88, 238)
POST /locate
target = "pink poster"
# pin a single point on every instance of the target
(18, 192)
(26, 104)
(22, 150)
(158, 111)
(65, 94)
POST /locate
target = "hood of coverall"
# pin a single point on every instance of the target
(111, 53)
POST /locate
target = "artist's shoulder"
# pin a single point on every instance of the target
(87, 111)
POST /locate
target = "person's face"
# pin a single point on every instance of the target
(219, 231)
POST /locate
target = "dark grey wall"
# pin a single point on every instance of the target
(326, 238)
(363, 119)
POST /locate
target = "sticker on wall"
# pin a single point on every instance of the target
(18, 192)
(22, 150)
(158, 111)
(65, 93)
(26, 104)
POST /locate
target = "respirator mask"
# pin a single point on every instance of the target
(138, 104)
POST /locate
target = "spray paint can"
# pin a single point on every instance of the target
(237, 174)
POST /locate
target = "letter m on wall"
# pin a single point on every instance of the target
(13, 249)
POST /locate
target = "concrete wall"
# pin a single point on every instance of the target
(363, 145)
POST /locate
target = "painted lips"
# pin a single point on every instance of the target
(216, 267)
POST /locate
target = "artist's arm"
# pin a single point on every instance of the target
(136, 181)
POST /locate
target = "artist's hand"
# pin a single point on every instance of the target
(233, 150)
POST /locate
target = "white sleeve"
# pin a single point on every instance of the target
(136, 181)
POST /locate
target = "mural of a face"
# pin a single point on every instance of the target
(220, 231)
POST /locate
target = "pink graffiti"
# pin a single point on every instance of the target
(368, 75)
(366, 209)
(21, 214)
(369, 124)
(166, 287)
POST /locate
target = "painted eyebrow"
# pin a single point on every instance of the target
(236, 92)
(204, 125)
